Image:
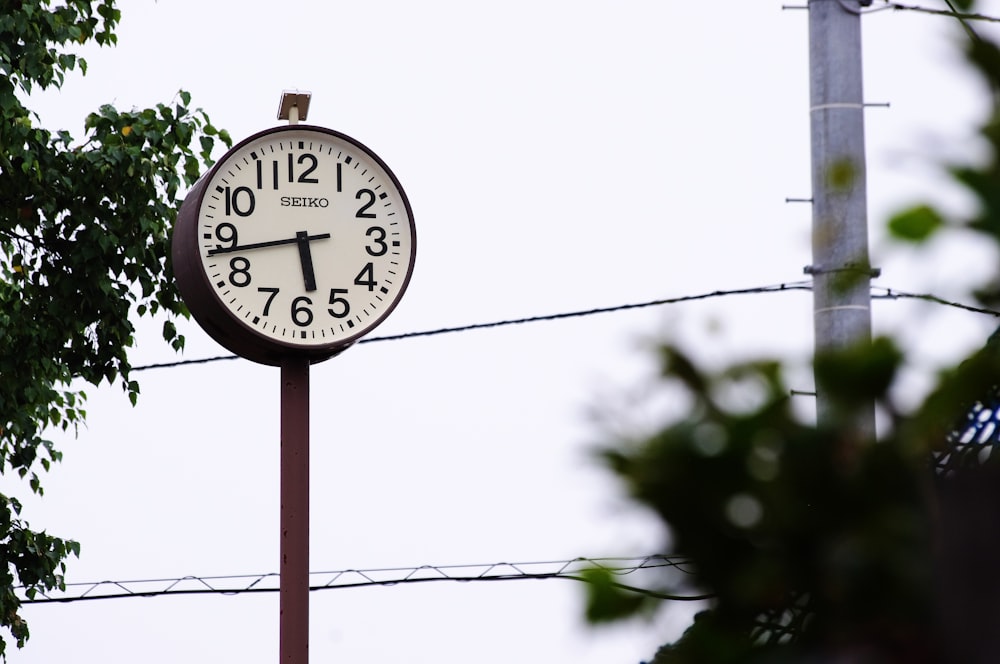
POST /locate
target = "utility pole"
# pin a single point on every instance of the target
(841, 269)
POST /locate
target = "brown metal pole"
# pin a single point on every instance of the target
(294, 590)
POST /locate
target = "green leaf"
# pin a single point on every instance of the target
(916, 224)
(607, 601)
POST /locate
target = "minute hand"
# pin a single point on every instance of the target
(261, 245)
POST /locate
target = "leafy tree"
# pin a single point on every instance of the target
(83, 243)
(817, 546)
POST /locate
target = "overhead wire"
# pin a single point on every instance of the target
(951, 12)
(890, 294)
(878, 293)
(802, 285)
(573, 570)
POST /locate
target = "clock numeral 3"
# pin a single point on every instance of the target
(380, 246)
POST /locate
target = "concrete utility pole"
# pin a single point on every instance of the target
(841, 268)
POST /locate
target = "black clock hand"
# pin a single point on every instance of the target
(305, 256)
(261, 245)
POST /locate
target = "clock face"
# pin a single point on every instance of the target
(303, 237)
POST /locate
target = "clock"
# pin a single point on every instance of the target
(299, 241)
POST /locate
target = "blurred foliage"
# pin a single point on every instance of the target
(83, 244)
(815, 545)
(916, 224)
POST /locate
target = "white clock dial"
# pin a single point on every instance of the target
(305, 237)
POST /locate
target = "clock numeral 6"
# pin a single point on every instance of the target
(302, 315)
(341, 302)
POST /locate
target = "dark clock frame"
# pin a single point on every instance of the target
(203, 301)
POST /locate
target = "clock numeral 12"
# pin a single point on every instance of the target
(304, 175)
(309, 160)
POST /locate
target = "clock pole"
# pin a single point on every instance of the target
(321, 280)
(294, 579)
(293, 641)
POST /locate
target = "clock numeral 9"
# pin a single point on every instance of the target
(226, 233)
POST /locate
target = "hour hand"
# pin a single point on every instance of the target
(305, 257)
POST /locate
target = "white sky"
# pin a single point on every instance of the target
(558, 156)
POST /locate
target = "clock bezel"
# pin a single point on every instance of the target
(203, 300)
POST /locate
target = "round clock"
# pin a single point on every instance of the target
(296, 243)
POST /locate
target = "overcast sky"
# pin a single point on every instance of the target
(558, 156)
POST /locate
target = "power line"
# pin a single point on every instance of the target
(352, 578)
(951, 12)
(802, 285)
(599, 310)
(890, 294)
(881, 293)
